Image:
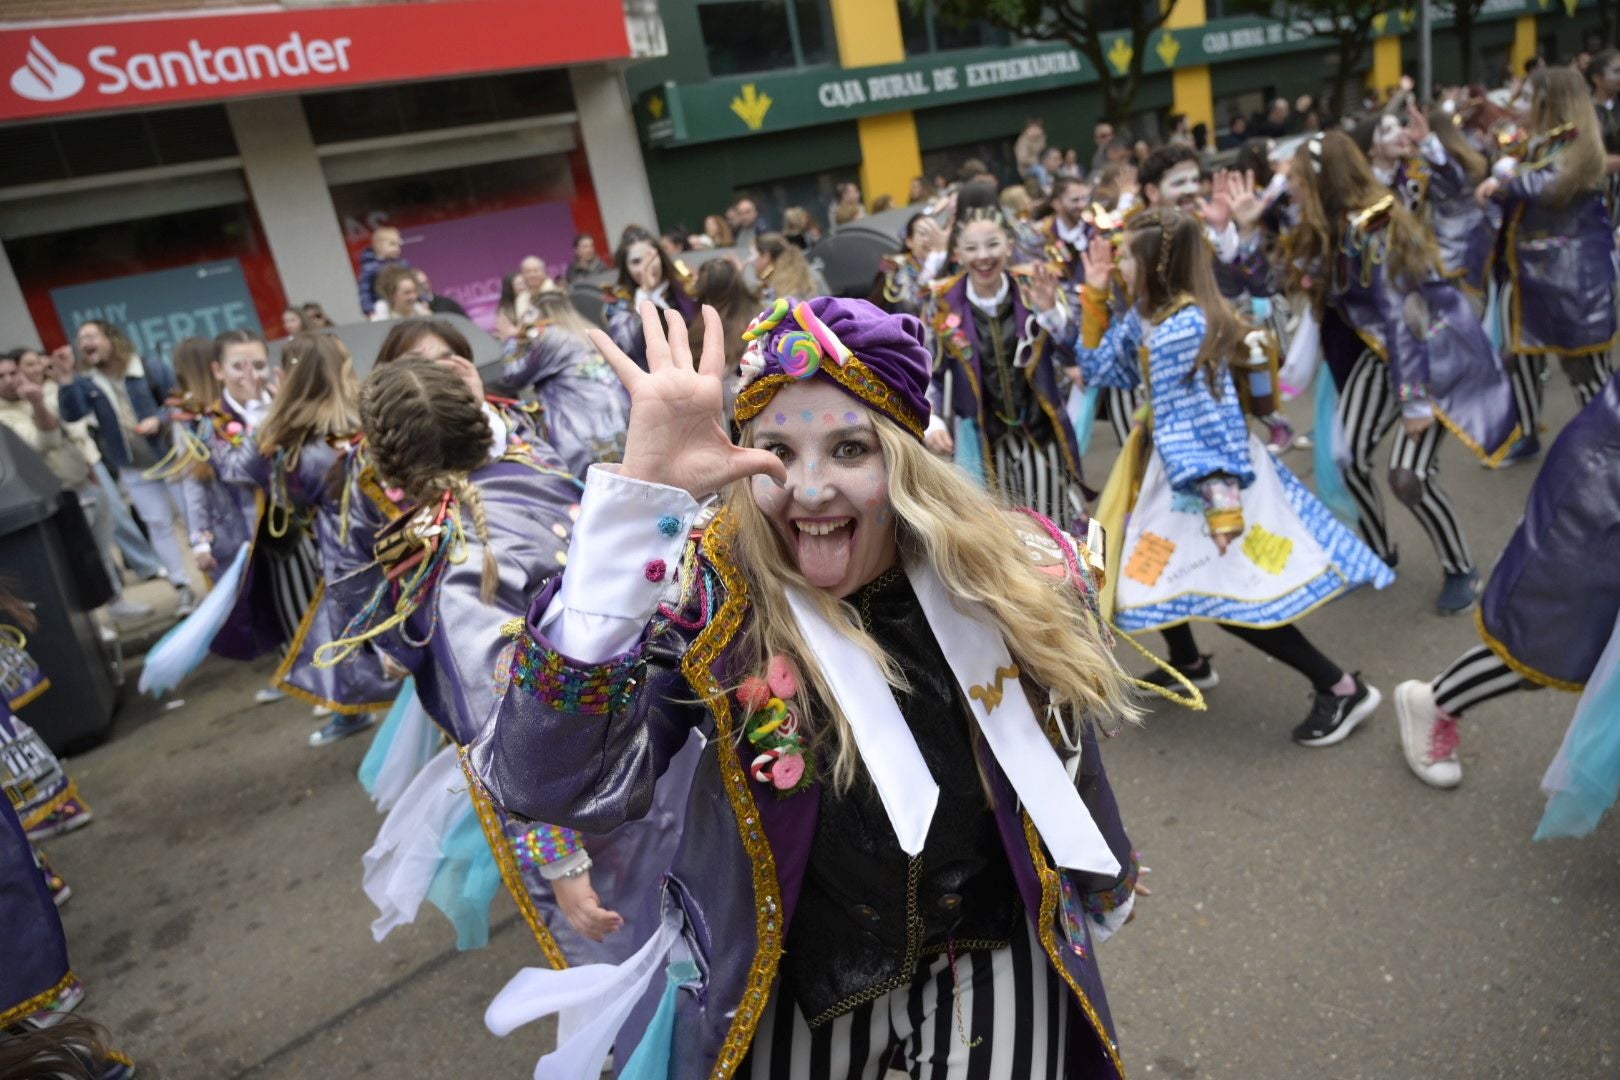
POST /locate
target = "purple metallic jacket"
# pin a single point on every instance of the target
(586, 745)
(587, 409)
(311, 483)
(1560, 262)
(226, 515)
(1428, 334)
(1550, 606)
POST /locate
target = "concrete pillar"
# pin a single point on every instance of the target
(1192, 93)
(294, 206)
(1525, 46)
(612, 149)
(14, 313)
(868, 33)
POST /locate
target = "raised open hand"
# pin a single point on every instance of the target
(1043, 288)
(1417, 122)
(1098, 262)
(677, 432)
(1248, 206)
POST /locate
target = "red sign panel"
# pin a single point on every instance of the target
(63, 68)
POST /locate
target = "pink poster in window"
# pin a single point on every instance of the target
(466, 257)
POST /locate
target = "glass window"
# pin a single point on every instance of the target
(367, 112)
(914, 28)
(812, 38)
(974, 35)
(744, 36)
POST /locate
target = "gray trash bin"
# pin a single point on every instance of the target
(49, 560)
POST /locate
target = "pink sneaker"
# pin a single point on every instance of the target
(1428, 738)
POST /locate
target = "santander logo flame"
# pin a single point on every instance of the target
(45, 78)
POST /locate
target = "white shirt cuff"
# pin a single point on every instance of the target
(1416, 410)
(931, 267)
(1106, 926)
(1055, 321)
(1433, 149)
(1225, 242)
(614, 580)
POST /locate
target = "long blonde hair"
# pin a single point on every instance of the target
(789, 273)
(972, 542)
(1560, 102)
(318, 398)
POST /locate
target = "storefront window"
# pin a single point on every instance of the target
(745, 36)
(220, 275)
(346, 115)
(926, 32)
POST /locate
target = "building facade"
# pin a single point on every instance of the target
(783, 99)
(188, 166)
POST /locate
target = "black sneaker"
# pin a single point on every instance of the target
(1201, 675)
(1333, 718)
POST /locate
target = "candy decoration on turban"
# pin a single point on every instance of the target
(801, 354)
(875, 357)
(831, 348)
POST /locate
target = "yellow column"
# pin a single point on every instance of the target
(1192, 94)
(1524, 43)
(868, 33)
(1386, 65)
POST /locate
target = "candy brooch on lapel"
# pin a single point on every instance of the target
(771, 722)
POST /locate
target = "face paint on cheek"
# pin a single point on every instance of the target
(769, 496)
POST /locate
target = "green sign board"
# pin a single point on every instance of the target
(677, 114)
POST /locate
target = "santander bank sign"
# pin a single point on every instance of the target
(64, 68)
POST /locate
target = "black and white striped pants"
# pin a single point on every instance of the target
(295, 571)
(1119, 406)
(1368, 408)
(1012, 1022)
(1033, 475)
(1587, 374)
(1476, 676)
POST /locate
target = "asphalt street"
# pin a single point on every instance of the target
(1315, 913)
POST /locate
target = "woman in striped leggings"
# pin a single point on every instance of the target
(1550, 607)
(1559, 246)
(1424, 359)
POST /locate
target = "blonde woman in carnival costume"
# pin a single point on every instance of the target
(900, 840)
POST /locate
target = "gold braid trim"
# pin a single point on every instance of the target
(288, 662)
(853, 376)
(43, 685)
(34, 1004)
(1051, 890)
(501, 846)
(1519, 667)
(40, 814)
(697, 666)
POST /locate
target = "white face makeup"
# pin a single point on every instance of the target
(243, 370)
(982, 247)
(1391, 140)
(645, 268)
(833, 514)
(1179, 188)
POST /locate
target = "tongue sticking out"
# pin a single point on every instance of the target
(824, 560)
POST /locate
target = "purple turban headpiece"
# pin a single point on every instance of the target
(872, 355)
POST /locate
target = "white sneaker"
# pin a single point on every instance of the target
(1428, 739)
(187, 601)
(320, 712)
(267, 695)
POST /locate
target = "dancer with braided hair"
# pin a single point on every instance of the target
(298, 459)
(1208, 482)
(487, 525)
